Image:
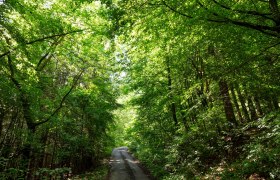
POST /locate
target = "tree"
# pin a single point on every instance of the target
(52, 52)
(188, 60)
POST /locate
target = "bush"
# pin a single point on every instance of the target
(12, 173)
(57, 173)
(261, 157)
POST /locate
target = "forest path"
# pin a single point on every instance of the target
(125, 167)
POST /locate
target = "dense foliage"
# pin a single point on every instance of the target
(56, 92)
(192, 87)
(206, 80)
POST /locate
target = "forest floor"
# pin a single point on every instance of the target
(124, 166)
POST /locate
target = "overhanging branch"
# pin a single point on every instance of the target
(46, 56)
(42, 39)
(62, 100)
(255, 13)
(269, 30)
(53, 36)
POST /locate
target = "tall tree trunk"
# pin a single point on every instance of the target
(44, 141)
(2, 115)
(201, 77)
(209, 98)
(184, 118)
(198, 65)
(258, 106)
(173, 106)
(27, 149)
(227, 103)
(242, 102)
(236, 103)
(252, 109)
(192, 114)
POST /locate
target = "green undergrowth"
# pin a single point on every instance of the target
(261, 156)
(98, 173)
(247, 152)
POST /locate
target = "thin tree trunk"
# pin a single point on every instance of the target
(227, 103)
(44, 141)
(209, 99)
(236, 103)
(252, 109)
(258, 106)
(251, 106)
(2, 115)
(5, 137)
(173, 106)
(243, 105)
(184, 119)
(191, 114)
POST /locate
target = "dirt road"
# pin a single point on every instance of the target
(124, 167)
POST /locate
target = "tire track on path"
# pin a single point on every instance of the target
(125, 167)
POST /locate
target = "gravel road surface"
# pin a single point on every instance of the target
(125, 167)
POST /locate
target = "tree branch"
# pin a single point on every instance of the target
(242, 64)
(47, 55)
(176, 11)
(273, 4)
(42, 39)
(271, 31)
(264, 15)
(24, 101)
(53, 36)
(5, 54)
(62, 100)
